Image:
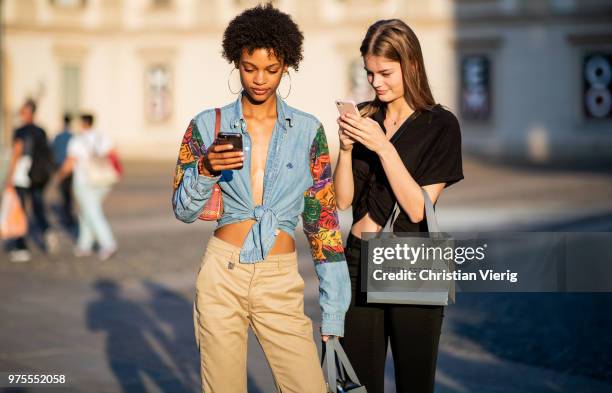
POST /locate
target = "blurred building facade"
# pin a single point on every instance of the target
(534, 79)
(529, 79)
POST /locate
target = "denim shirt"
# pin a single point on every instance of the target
(297, 181)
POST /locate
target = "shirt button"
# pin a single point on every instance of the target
(246, 148)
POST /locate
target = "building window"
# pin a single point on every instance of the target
(597, 86)
(475, 88)
(158, 107)
(71, 88)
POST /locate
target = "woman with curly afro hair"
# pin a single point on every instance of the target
(274, 167)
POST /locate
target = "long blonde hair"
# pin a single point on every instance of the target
(394, 40)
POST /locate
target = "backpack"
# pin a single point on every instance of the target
(42, 161)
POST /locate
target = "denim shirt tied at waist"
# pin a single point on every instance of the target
(297, 180)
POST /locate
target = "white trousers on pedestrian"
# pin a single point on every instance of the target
(93, 225)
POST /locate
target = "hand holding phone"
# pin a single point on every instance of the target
(234, 139)
(230, 138)
(225, 153)
(345, 107)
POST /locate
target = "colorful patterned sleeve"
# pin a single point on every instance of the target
(191, 190)
(320, 215)
(322, 228)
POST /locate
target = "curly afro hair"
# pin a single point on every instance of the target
(263, 27)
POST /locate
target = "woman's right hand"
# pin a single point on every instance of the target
(218, 159)
(346, 142)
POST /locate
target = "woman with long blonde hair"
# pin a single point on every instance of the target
(403, 142)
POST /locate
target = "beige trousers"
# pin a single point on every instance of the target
(268, 296)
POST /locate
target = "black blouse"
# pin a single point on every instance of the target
(429, 144)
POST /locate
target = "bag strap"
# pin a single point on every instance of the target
(95, 147)
(328, 363)
(217, 129)
(203, 147)
(344, 362)
(430, 215)
(329, 360)
(217, 123)
(333, 350)
(96, 141)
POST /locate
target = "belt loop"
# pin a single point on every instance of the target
(231, 264)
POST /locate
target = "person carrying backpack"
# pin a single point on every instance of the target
(30, 169)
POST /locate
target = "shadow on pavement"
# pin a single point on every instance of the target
(153, 339)
(566, 332)
(135, 342)
(173, 310)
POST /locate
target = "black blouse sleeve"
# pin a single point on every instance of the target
(443, 162)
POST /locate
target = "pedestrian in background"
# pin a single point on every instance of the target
(85, 152)
(60, 148)
(29, 171)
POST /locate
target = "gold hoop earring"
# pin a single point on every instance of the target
(289, 92)
(228, 83)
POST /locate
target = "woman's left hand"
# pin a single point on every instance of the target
(365, 131)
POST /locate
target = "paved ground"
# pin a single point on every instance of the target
(125, 325)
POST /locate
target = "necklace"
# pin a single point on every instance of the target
(407, 119)
(395, 122)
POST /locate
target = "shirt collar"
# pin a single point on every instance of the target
(284, 113)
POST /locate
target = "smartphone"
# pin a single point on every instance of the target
(230, 138)
(347, 106)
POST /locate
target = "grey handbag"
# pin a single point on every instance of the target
(444, 292)
(341, 377)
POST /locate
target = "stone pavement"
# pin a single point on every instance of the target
(125, 325)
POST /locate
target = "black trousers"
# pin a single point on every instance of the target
(413, 332)
(66, 210)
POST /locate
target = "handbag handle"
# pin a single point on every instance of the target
(344, 362)
(329, 363)
(332, 351)
(430, 215)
